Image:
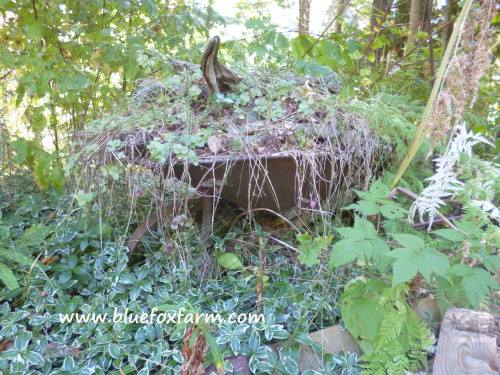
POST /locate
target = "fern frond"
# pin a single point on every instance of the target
(445, 182)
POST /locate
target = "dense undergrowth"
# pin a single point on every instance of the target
(75, 261)
(81, 269)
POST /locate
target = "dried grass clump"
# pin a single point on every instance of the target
(471, 59)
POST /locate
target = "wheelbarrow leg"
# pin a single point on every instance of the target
(206, 228)
(141, 230)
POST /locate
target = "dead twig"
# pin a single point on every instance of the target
(283, 243)
(194, 355)
(425, 224)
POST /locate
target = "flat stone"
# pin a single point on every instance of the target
(427, 309)
(333, 340)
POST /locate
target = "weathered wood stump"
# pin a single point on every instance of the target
(468, 343)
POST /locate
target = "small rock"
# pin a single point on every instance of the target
(240, 366)
(214, 144)
(427, 309)
(179, 221)
(333, 339)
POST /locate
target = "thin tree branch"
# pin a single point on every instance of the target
(323, 33)
(414, 196)
(425, 224)
(33, 4)
(417, 46)
(6, 75)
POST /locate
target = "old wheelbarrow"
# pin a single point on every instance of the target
(278, 183)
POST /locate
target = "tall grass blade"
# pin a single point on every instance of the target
(436, 89)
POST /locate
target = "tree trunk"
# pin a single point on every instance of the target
(339, 16)
(402, 17)
(380, 10)
(448, 10)
(304, 14)
(428, 30)
(413, 24)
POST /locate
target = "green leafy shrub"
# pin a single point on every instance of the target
(46, 167)
(389, 332)
(457, 265)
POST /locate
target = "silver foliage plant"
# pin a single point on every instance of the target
(491, 210)
(445, 182)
